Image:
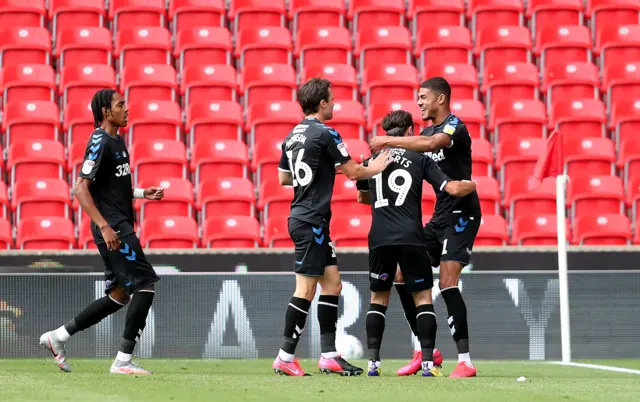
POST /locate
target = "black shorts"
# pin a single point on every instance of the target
(127, 266)
(314, 249)
(414, 264)
(451, 241)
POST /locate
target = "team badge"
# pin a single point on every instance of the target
(449, 129)
(87, 166)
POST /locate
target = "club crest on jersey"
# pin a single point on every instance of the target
(449, 129)
(342, 147)
(436, 156)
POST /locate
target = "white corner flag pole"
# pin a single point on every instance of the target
(563, 271)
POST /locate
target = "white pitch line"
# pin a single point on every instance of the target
(599, 367)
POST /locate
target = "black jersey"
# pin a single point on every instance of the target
(455, 162)
(396, 198)
(106, 162)
(311, 152)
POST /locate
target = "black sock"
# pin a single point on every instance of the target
(457, 318)
(294, 321)
(427, 328)
(375, 329)
(92, 314)
(328, 319)
(409, 307)
(136, 320)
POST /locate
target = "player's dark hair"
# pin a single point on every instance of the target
(438, 85)
(312, 93)
(101, 99)
(397, 122)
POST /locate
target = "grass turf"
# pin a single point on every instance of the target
(253, 380)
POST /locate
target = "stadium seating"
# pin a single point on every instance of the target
(228, 196)
(252, 13)
(348, 119)
(602, 229)
(536, 230)
(344, 80)
(331, 44)
(510, 81)
(319, 13)
(49, 233)
(79, 82)
(202, 46)
(142, 45)
(268, 82)
(178, 199)
(263, 45)
(462, 77)
(424, 12)
(563, 44)
(17, 13)
(493, 231)
(149, 82)
(23, 83)
(350, 231)
(570, 81)
(154, 120)
(219, 159)
(220, 120)
(83, 45)
(196, 13)
(66, 14)
(276, 232)
(25, 45)
(201, 83)
(231, 232)
(550, 13)
(389, 43)
(169, 232)
(158, 158)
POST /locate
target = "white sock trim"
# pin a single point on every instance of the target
(146, 291)
(465, 357)
(328, 304)
(62, 334)
(116, 302)
(450, 287)
(376, 312)
(426, 312)
(330, 355)
(298, 308)
(123, 357)
(286, 357)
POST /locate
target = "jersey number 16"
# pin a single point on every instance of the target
(298, 167)
(402, 189)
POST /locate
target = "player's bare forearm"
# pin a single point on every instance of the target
(364, 197)
(460, 188)
(285, 178)
(355, 171)
(83, 195)
(418, 144)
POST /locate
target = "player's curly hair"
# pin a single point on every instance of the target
(101, 99)
(312, 93)
(397, 122)
(438, 85)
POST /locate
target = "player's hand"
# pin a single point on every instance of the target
(377, 143)
(154, 193)
(380, 162)
(110, 237)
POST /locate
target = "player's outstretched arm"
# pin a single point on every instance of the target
(153, 193)
(83, 195)
(376, 165)
(364, 197)
(285, 178)
(460, 188)
(418, 143)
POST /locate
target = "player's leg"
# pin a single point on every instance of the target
(382, 266)
(115, 298)
(456, 253)
(416, 269)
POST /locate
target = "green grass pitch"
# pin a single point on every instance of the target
(27, 380)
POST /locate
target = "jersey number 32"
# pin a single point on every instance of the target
(300, 171)
(392, 183)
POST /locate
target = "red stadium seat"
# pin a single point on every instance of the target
(518, 119)
(553, 13)
(4, 202)
(78, 83)
(201, 83)
(75, 159)
(36, 120)
(488, 190)
(158, 158)
(629, 159)
(136, 13)
(344, 79)
(318, 13)
(482, 151)
(274, 200)
(219, 159)
(321, 45)
(268, 82)
(169, 232)
(50, 233)
(178, 198)
(263, 45)
(271, 120)
(633, 199)
(493, 231)
(266, 157)
(625, 119)
(389, 81)
(143, 45)
(562, 45)
(610, 14)
(6, 238)
(620, 43)
(462, 77)
(372, 13)
(450, 43)
(602, 229)
(20, 13)
(357, 148)
(473, 114)
(257, 13)
(152, 82)
(510, 81)
(604, 194)
(377, 111)
(78, 123)
(520, 201)
(424, 12)
(579, 118)
(501, 45)
(85, 237)
(196, 13)
(590, 156)
(350, 231)
(536, 230)
(214, 121)
(621, 81)
(28, 83)
(40, 198)
(491, 13)
(198, 46)
(156, 120)
(66, 14)
(428, 200)
(517, 158)
(344, 202)
(390, 44)
(84, 45)
(276, 233)
(348, 119)
(571, 81)
(231, 232)
(25, 45)
(228, 196)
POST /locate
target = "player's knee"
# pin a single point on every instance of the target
(381, 297)
(422, 297)
(119, 295)
(449, 274)
(332, 288)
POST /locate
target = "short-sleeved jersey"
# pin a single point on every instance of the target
(311, 152)
(455, 162)
(396, 198)
(106, 163)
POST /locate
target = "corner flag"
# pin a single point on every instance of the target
(551, 162)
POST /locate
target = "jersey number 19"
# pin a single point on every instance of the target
(402, 190)
(298, 167)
